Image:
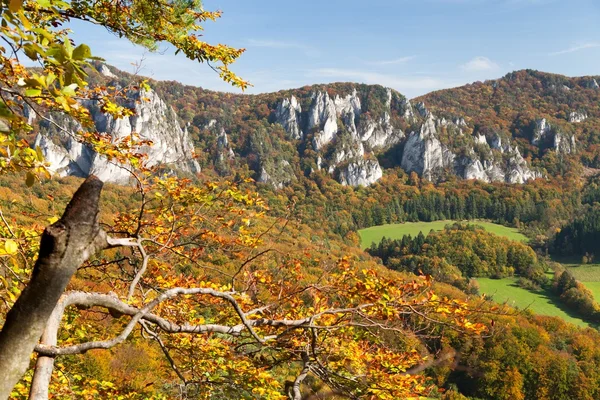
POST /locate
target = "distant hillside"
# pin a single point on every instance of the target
(542, 111)
(524, 126)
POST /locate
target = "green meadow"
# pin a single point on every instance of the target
(542, 303)
(396, 231)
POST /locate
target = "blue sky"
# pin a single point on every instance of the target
(414, 46)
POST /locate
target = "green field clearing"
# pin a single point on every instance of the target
(506, 290)
(588, 274)
(585, 273)
(396, 231)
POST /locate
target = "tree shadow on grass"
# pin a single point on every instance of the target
(555, 301)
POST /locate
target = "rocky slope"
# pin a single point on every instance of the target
(154, 120)
(554, 119)
(343, 130)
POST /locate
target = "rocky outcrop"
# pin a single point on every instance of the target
(288, 115)
(153, 121)
(223, 146)
(564, 144)
(547, 135)
(518, 170)
(422, 110)
(576, 117)
(380, 133)
(408, 112)
(424, 153)
(104, 70)
(322, 116)
(362, 172)
(342, 133)
(541, 131)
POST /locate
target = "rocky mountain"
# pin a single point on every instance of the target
(347, 131)
(554, 119)
(154, 120)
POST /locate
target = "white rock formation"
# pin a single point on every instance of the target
(480, 139)
(323, 116)
(518, 170)
(576, 117)
(408, 114)
(487, 171)
(424, 153)
(153, 121)
(379, 133)
(564, 144)
(104, 70)
(223, 146)
(422, 110)
(288, 115)
(546, 133)
(541, 130)
(361, 172)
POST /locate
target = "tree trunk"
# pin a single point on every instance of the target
(64, 246)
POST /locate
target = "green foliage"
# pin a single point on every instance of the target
(374, 234)
(475, 252)
(581, 236)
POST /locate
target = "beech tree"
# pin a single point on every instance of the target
(194, 268)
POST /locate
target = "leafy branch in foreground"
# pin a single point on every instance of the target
(241, 321)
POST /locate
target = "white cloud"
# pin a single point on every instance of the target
(400, 60)
(478, 64)
(589, 45)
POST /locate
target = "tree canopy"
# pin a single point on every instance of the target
(194, 268)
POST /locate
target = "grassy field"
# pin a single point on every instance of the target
(506, 290)
(396, 231)
(588, 274)
(585, 273)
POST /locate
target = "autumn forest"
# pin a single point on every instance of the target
(160, 240)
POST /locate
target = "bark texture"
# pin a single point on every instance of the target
(64, 246)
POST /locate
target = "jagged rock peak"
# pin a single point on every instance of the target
(425, 154)
(422, 110)
(518, 170)
(323, 116)
(223, 145)
(153, 121)
(348, 104)
(408, 114)
(460, 122)
(540, 131)
(288, 115)
(388, 99)
(480, 139)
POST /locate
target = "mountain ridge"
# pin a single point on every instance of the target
(348, 130)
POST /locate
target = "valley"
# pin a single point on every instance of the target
(417, 222)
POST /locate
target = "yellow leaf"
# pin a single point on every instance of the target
(11, 246)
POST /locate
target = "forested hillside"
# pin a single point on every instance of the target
(211, 249)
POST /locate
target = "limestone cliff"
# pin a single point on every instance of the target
(154, 121)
